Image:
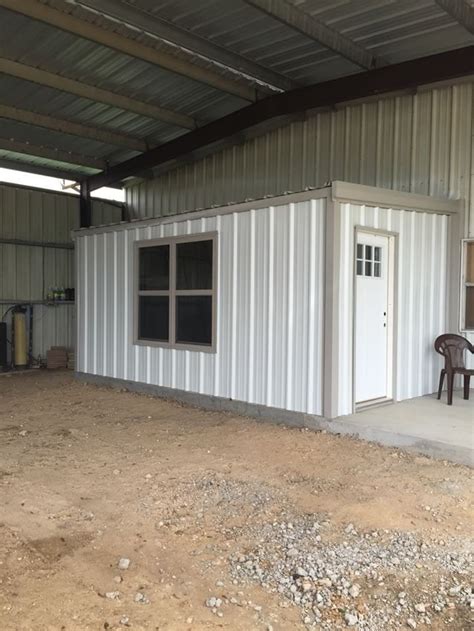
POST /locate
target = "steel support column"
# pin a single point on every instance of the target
(85, 205)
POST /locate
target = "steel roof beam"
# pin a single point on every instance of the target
(151, 24)
(81, 28)
(51, 153)
(86, 91)
(461, 11)
(73, 129)
(409, 74)
(299, 20)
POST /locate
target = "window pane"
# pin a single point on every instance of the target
(368, 252)
(194, 319)
(194, 265)
(469, 319)
(359, 268)
(377, 271)
(154, 267)
(377, 253)
(360, 251)
(153, 318)
(368, 269)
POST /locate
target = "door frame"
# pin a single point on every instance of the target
(392, 292)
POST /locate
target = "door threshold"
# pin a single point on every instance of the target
(372, 403)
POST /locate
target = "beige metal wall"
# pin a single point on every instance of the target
(421, 143)
(26, 272)
(270, 282)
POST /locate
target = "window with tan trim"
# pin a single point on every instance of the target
(175, 298)
(467, 285)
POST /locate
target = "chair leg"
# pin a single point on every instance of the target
(441, 381)
(450, 387)
(467, 380)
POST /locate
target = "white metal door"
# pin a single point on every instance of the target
(371, 313)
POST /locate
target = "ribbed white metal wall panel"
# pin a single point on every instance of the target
(421, 143)
(27, 272)
(269, 312)
(420, 299)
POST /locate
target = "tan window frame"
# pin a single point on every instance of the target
(467, 279)
(172, 292)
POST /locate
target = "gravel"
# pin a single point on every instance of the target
(339, 577)
(213, 601)
(123, 563)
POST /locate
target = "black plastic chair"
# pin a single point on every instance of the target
(452, 347)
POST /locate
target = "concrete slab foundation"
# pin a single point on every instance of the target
(423, 424)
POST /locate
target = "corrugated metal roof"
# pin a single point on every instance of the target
(375, 24)
(64, 54)
(392, 30)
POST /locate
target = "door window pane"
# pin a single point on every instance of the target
(154, 268)
(360, 251)
(377, 253)
(153, 318)
(194, 319)
(368, 268)
(194, 265)
(368, 252)
(377, 270)
(360, 271)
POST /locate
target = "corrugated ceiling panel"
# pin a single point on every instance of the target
(394, 31)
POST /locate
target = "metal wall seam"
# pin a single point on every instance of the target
(95, 315)
(314, 297)
(148, 350)
(235, 276)
(115, 305)
(126, 337)
(251, 336)
(318, 280)
(105, 344)
(290, 306)
(217, 371)
(85, 293)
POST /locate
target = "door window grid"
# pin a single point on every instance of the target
(369, 260)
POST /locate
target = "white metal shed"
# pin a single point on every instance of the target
(287, 318)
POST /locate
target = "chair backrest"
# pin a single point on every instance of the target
(452, 347)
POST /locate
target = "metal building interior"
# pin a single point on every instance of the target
(188, 105)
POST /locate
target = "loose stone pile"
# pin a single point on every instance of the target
(374, 580)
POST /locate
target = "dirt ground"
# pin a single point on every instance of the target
(89, 475)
